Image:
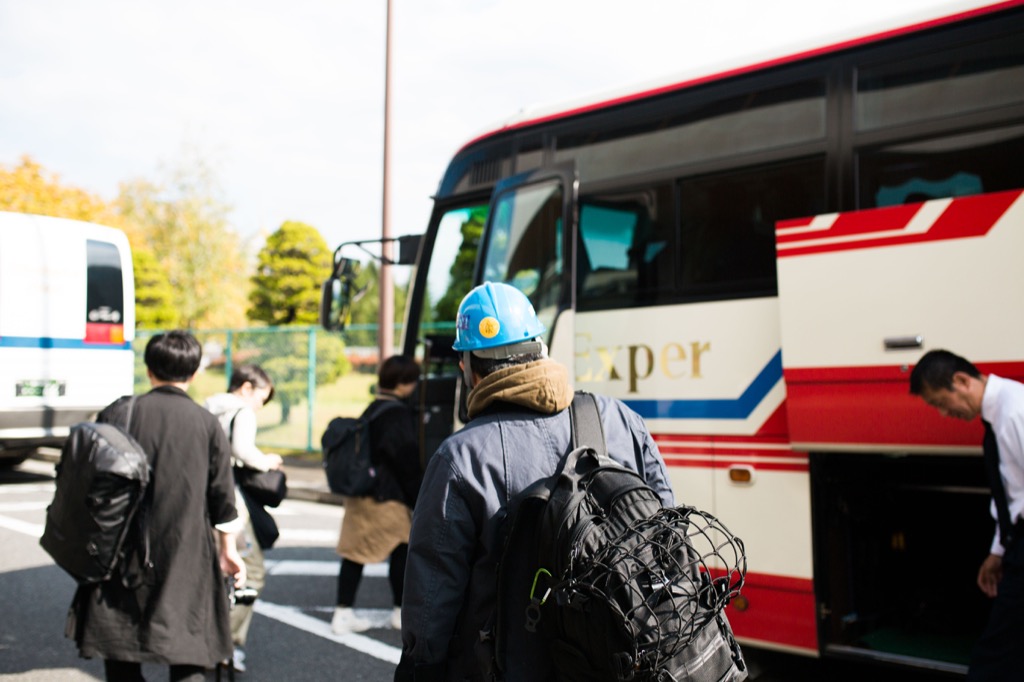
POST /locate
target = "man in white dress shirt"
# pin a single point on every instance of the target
(956, 388)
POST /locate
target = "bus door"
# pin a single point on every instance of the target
(897, 490)
(443, 277)
(518, 237)
(528, 244)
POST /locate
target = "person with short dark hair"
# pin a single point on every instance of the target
(249, 389)
(956, 388)
(178, 615)
(376, 527)
(519, 431)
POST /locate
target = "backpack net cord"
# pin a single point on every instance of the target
(669, 575)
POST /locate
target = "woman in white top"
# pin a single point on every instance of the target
(249, 390)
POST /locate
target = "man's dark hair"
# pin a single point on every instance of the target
(935, 370)
(253, 374)
(485, 366)
(398, 369)
(173, 356)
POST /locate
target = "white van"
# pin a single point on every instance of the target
(67, 320)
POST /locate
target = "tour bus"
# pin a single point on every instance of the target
(67, 320)
(753, 260)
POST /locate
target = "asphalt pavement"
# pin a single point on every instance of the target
(307, 481)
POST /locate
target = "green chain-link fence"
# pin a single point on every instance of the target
(316, 378)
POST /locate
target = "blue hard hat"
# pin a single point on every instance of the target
(495, 314)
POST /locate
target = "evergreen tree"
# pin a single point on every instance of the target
(290, 270)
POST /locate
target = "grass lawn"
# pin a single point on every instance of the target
(346, 397)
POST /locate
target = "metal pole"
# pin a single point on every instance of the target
(310, 387)
(385, 326)
(228, 359)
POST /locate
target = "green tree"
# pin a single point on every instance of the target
(461, 281)
(285, 357)
(154, 297)
(366, 310)
(289, 271)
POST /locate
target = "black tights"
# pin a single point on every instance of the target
(129, 671)
(352, 572)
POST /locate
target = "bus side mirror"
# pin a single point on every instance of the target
(408, 249)
(336, 296)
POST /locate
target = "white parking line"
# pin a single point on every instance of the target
(319, 568)
(22, 506)
(327, 537)
(34, 530)
(14, 489)
(292, 616)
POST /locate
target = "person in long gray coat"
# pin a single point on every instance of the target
(179, 614)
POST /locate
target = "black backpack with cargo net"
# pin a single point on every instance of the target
(96, 519)
(597, 577)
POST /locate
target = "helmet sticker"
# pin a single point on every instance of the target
(489, 327)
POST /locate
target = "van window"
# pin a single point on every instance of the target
(104, 284)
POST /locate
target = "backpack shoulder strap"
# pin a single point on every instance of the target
(585, 420)
(377, 408)
(231, 426)
(128, 416)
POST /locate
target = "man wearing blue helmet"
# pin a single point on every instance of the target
(518, 432)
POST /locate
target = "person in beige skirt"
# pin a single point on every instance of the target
(376, 527)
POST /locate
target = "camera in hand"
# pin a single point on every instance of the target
(243, 595)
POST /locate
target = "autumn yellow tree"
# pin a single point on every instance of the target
(28, 188)
(184, 222)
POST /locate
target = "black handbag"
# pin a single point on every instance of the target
(263, 524)
(268, 488)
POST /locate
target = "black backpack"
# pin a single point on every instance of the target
(597, 577)
(101, 480)
(346, 451)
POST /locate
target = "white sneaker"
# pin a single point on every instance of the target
(396, 618)
(238, 660)
(345, 621)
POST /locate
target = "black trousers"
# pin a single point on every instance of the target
(128, 671)
(997, 653)
(352, 572)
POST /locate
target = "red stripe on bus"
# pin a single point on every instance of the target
(777, 609)
(686, 463)
(965, 217)
(860, 222)
(734, 451)
(873, 406)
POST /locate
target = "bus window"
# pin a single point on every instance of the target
(728, 226)
(757, 121)
(943, 167)
(524, 247)
(627, 247)
(957, 81)
(450, 277)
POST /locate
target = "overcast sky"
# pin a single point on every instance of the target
(285, 99)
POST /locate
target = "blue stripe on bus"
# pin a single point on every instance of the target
(738, 408)
(47, 342)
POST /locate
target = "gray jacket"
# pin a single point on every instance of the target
(450, 585)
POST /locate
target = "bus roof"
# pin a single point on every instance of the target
(946, 13)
